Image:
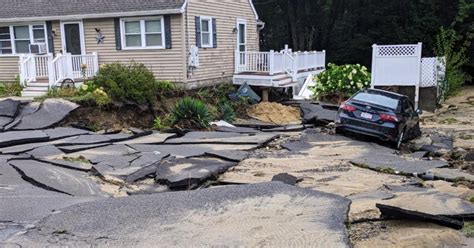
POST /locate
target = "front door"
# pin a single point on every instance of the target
(242, 40)
(72, 38)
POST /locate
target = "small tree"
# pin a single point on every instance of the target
(455, 59)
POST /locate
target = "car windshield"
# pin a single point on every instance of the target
(377, 99)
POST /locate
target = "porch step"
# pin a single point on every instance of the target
(283, 82)
(35, 89)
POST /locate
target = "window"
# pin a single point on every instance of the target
(22, 39)
(5, 41)
(16, 39)
(143, 33)
(206, 32)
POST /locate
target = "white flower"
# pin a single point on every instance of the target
(354, 71)
(352, 82)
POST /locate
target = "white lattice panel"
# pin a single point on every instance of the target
(404, 50)
(429, 72)
(396, 65)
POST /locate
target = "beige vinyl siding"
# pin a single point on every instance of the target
(57, 38)
(218, 62)
(166, 64)
(8, 68)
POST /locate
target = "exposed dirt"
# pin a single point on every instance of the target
(114, 118)
(455, 118)
(404, 234)
(275, 113)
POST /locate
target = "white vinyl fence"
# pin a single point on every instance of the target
(402, 65)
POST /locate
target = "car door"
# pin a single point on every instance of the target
(405, 111)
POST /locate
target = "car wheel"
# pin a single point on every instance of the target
(416, 131)
(401, 137)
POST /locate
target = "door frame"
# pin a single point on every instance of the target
(239, 22)
(242, 60)
(81, 33)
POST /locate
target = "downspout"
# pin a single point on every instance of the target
(187, 39)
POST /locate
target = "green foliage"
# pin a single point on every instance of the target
(468, 229)
(455, 59)
(87, 93)
(133, 82)
(162, 123)
(191, 113)
(343, 80)
(11, 89)
(227, 112)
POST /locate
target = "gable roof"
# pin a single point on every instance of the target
(29, 10)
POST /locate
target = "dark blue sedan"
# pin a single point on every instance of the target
(382, 114)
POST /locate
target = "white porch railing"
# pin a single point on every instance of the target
(27, 69)
(57, 69)
(284, 61)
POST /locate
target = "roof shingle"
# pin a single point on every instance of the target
(11, 9)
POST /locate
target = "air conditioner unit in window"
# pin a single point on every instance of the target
(38, 48)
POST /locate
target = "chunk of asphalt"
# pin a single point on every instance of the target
(236, 129)
(21, 137)
(229, 214)
(154, 138)
(395, 164)
(78, 148)
(223, 138)
(89, 139)
(285, 178)
(291, 128)
(189, 173)
(229, 155)
(111, 153)
(51, 112)
(64, 132)
(5, 121)
(311, 136)
(188, 151)
(400, 213)
(9, 107)
(22, 202)
(450, 175)
(316, 114)
(46, 152)
(30, 146)
(56, 179)
(131, 169)
(469, 157)
(253, 123)
(25, 110)
(72, 165)
(428, 205)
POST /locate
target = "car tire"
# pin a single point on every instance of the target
(400, 139)
(415, 131)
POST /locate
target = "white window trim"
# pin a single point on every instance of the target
(211, 31)
(81, 33)
(142, 33)
(32, 40)
(244, 22)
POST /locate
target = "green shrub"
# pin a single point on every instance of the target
(133, 82)
(455, 58)
(340, 81)
(11, 89)
(191, 113)
(227, 112)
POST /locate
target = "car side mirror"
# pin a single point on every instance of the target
(419, 111)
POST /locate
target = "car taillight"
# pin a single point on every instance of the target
(386, 117)
(348, 107)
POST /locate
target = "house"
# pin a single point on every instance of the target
(39, 38)
(192, 42)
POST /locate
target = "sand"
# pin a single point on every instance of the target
(275, 113)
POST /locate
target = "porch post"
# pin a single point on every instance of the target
(306, 60)
(374, 52)
(51, 71)
(295, 66)
(96, 62)
(237, 61)
(272, 62)
(21, 69)
(68, 64)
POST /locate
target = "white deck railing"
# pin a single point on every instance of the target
(57, 69)
(278, 62)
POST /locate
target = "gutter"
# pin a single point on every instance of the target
(94, 16)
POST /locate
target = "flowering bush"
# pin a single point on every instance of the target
(339, 82)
